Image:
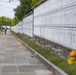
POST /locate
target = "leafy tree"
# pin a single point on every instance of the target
(23, 9)
(8, 21)
(18, 12)
(14, 21)
(34, 2)
(4, 20)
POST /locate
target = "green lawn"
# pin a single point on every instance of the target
(60, 62)
(1, 32)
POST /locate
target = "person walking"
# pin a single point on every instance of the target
(5, 30)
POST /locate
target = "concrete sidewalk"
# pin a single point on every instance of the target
(15, 59)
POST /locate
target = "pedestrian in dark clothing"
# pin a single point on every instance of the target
(5, 30)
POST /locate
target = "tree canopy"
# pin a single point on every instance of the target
(24, 8)
(8, 21)
(34, 2)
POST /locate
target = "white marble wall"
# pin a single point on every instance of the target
(28, 25)
(20, 30)
(15, 28)
(55, 20)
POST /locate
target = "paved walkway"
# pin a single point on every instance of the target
(15, 59)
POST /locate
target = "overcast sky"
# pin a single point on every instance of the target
(6, 8)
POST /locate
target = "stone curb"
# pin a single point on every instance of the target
(51, 66)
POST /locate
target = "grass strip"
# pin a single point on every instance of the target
(1, 32)
(58, 61)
